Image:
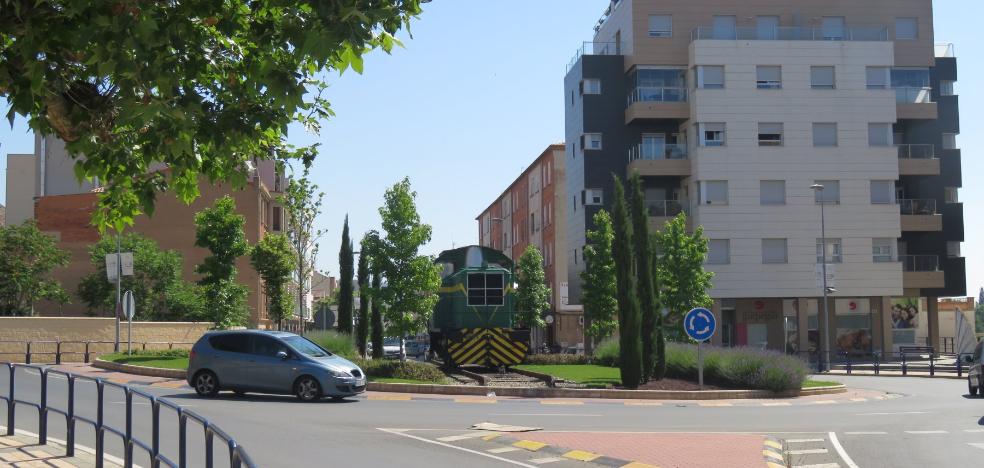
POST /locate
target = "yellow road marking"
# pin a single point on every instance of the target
(561, 402)
(775, 465)
(773, 455)
(389, 397)
(773, 444)
(490, 437)
(486, 401)
(581, 455)
(529, 445)
(638, 465)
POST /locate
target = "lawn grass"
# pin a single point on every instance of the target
(587, 374)
(160, 362)
(404, 381)
(818, 383)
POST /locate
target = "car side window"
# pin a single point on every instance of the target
(266, 346)
(232, 343)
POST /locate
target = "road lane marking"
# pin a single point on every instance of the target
(782, 403)
(973, 431)
(893, 414)
(976, 444)
(803, 441)
(713, 404)
(807, 452)
(859, 399)
(773, 444)
(581, 455)
(462, 437)
(389, 397)
(822, 465)
(548, 414)
(840, 451)
(561, 402)
(485, 401)
(866, 433)
(544, 461)
(925, 432)
(824, 402)
(442, 444)
(503, 450)
(643, 403)
(530, 445)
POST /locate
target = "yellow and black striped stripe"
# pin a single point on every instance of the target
(487, 346)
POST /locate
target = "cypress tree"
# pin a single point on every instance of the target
(362, 329)
(644, 253)
(377, 316)
(630, 346)
(346, 296)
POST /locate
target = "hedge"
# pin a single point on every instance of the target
(410, 370)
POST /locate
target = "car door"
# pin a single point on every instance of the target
(229, 355)
(268, 372)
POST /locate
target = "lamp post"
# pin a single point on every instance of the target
(823, 363)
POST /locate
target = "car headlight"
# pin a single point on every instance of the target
(338, 373)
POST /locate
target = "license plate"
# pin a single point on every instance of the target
(360, 383)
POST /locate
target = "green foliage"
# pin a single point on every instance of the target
(365, 296)
(274, 260)
(647, 275)
(606, 354)
(532, 294)
(159, 291)
(168, 359)
(630, 340)
(598, 279)
(590, 375)
(412, 280)
(341, 344)
(346, 293)
(405, 370)
(302, 203)
(555, 359)
(27, 257)
(199, 85)
(220, 230)
(680, 266)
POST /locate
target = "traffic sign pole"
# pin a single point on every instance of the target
(119, 274)
(700, 367)
(700, 324)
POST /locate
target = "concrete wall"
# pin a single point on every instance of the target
(87, 329)
(20, 188)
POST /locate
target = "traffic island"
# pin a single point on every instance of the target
(140, 370)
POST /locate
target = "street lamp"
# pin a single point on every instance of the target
(824, 362)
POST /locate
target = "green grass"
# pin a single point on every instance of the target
(819, 383)
(587, 374)
(404, 381)
(148, 360)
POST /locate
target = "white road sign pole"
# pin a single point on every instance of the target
(119, 273)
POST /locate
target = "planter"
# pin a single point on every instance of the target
(140, 370)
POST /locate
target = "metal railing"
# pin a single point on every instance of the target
(908, 359)
(657, 152)
(657, 94)
(665, 208)
(920, 262)
(916, 151)
(58, 349)
(792, 33)
(594, 48)
(944, 50)
(236, 454)
(913, 94)
(926, 206)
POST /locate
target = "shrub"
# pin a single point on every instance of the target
(555, 359)
(606, 354)
(341, 344)
(154, 353)
(411, 370)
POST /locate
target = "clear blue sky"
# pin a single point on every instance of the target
(462, 110)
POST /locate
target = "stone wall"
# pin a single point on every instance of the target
(150, 335)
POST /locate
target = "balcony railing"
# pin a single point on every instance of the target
(926, 206)
(595, 48)
(665, 208)
(792, 33)
(914, 95)
(944, 50)
(916, 151)
(657, 94)
(658, 152)
(920, 262)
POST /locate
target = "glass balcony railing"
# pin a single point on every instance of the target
(650, 152)
(658, 94)
(944, 50)
(792, 33)
(911, 206)
(595, 48)
(920, 262)
(665, 208)
(913, 95)
(916, 151)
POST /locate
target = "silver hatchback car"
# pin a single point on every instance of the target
(270, 362)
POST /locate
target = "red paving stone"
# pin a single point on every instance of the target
(663, 449)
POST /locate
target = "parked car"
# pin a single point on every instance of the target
(392, 348)
(270, 362)
(975, 375)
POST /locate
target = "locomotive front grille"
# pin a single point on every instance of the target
(488, 346)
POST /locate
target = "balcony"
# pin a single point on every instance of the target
(922, 271)
(595, 48)
(915, 102)
(920, 215)
(918, 160)
(792, 33)
(657, 103)
(662, 211)
(659, 160)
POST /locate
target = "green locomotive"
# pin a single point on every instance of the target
(473, 322)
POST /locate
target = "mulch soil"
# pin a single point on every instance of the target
(675, 384)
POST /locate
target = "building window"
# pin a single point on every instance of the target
(768, 77)
(822, 77)
(712, 134)
(713, 192)
(710, 76)
(532, 223)
(718, 251)
(770, 134)
(882, 192)
(879, 134)
(725, 27)
(767, 28)
(949, 141)
(772, 192)
(660, 26)
(592, 197)
(832, 251)
(946, 88)
(953, 248)
(485, 289)
(881, 250)
(825, 134)
(877, 77)
(830, 195)
(833, 28)
(950, 195)
(590, 86)
(591, 141)
(906, 28)
(774, 251)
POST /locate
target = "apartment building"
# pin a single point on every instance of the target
(45, 189)
(737, 113)
(531, 212)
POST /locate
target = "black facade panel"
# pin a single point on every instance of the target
(956, 278)
(953, 222)
(951, 174)
(946, 68)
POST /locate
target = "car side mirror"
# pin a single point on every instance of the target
(283, 355)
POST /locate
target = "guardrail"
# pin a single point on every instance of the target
(916, 358)
(236, 454)
(86, 351)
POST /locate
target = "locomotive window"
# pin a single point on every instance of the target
(485, 289)
(493, 289)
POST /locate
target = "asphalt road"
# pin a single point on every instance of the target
(933, 423)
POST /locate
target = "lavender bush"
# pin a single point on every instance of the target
(743, 368)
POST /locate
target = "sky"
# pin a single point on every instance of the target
(462, 110)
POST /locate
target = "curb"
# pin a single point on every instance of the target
(773, 451)
(599, 393)
(140, 370)
(858, 374)
(567, 453)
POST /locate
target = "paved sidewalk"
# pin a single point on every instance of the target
(23, 451)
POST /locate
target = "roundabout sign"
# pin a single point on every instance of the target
(699, 324)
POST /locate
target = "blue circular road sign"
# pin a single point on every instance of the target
(699, 324)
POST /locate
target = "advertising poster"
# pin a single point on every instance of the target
(905, 319)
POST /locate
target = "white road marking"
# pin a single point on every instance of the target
(976, 444)
(456, 438)
(544, 461)
(547, 414)
(925, 432)
(840, 451)
(807, 452)
(503, 450)
(891, 414)
(867, 433)
(803, 441)
(442, 444)
(974, 431)
(822, 465)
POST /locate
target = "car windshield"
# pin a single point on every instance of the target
(391, 342)
(306, 346)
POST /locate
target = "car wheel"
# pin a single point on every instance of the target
(206, 384)
(307, 389)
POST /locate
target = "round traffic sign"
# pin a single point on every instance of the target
(699, 324)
